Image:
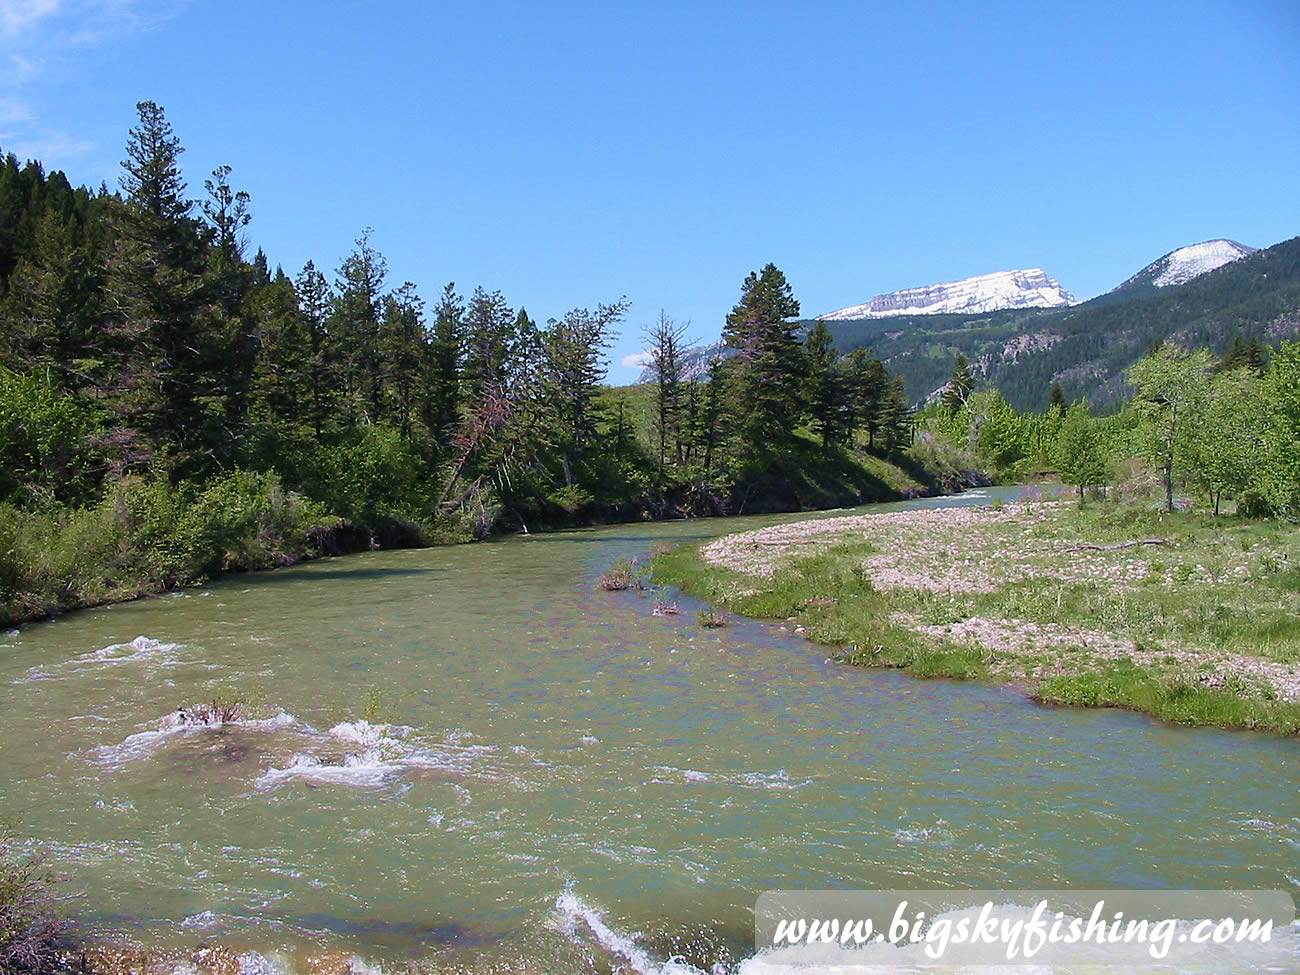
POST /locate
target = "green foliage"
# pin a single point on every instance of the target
(147, 536)
(712, 617)
(1172, 385)
(1278, 482)
(46, 448)
(765, 381)
(1079, 457)
(1176, 700)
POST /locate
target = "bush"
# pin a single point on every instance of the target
(30, 928)
(623, 574)
(711, 618)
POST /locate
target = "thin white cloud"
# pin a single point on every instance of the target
(22, 69)
(53, 149)
(637, 360)
(14, 110)
(17, 16)
(41, 39)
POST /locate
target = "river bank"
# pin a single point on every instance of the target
(148, 538)
(1188, 618)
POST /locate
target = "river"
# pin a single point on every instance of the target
(576, 784)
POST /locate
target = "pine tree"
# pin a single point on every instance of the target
(574, 348)
(281, 374)
(402, 341)
(490, 329)
(767, 396)
(828, 388)
(323, 378)
(869, 384)
(1056, 400)
(666, 342)
(443, 367)
(354, 326)
(166, 335)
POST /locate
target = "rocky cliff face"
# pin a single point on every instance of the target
(1029, 288)
(1180, 266)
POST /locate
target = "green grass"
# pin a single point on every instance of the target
(1200, 640)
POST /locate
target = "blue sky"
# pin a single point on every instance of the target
(569, 154)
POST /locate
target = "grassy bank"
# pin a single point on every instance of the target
(1189, 618)
(149, 536)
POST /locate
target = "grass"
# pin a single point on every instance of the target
(1202, 628)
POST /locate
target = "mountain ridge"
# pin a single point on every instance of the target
(997, 291)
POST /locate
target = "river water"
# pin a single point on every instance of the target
(566, 782)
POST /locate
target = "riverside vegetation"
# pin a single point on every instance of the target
(171, 409)
(1133, 600)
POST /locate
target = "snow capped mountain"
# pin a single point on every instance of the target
(1029, 288)
(1180, 266)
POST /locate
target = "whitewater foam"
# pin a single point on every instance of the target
(179, 723)
(573, 915)
(379, 753)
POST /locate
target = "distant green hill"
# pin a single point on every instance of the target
(1087, 347)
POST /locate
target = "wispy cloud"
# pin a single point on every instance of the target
(51, 147)
(637, 360)
(42, 39)
(14, 110)
(18, 16)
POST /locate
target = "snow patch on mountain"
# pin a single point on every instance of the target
(1026, 288)
(1180, 266)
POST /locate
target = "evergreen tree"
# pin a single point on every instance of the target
(167, 342)
(767, 396)
(489, 337)
(354, 326)
(443, 366)
(1056, 401)
(666, 341)
(402, 347)
(281, 374)
(828, 388)
(1256, 359)
(574, 368)
(869, 389)
(323, 375)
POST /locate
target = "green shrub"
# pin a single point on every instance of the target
(712, 618)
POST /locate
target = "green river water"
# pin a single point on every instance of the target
(577, 784)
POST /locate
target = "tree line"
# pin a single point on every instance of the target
(141, 345)
(1218, 428)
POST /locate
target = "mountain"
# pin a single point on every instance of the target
(1087, 347)
(1029, 288)
(1180, 266)
(695, 362)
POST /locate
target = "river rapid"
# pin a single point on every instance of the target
(562, 781)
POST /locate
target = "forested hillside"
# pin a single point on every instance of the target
(1086, 348)
(171, 407)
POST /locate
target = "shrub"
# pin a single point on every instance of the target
(30, 928)
(623, 574)
(712, 618)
